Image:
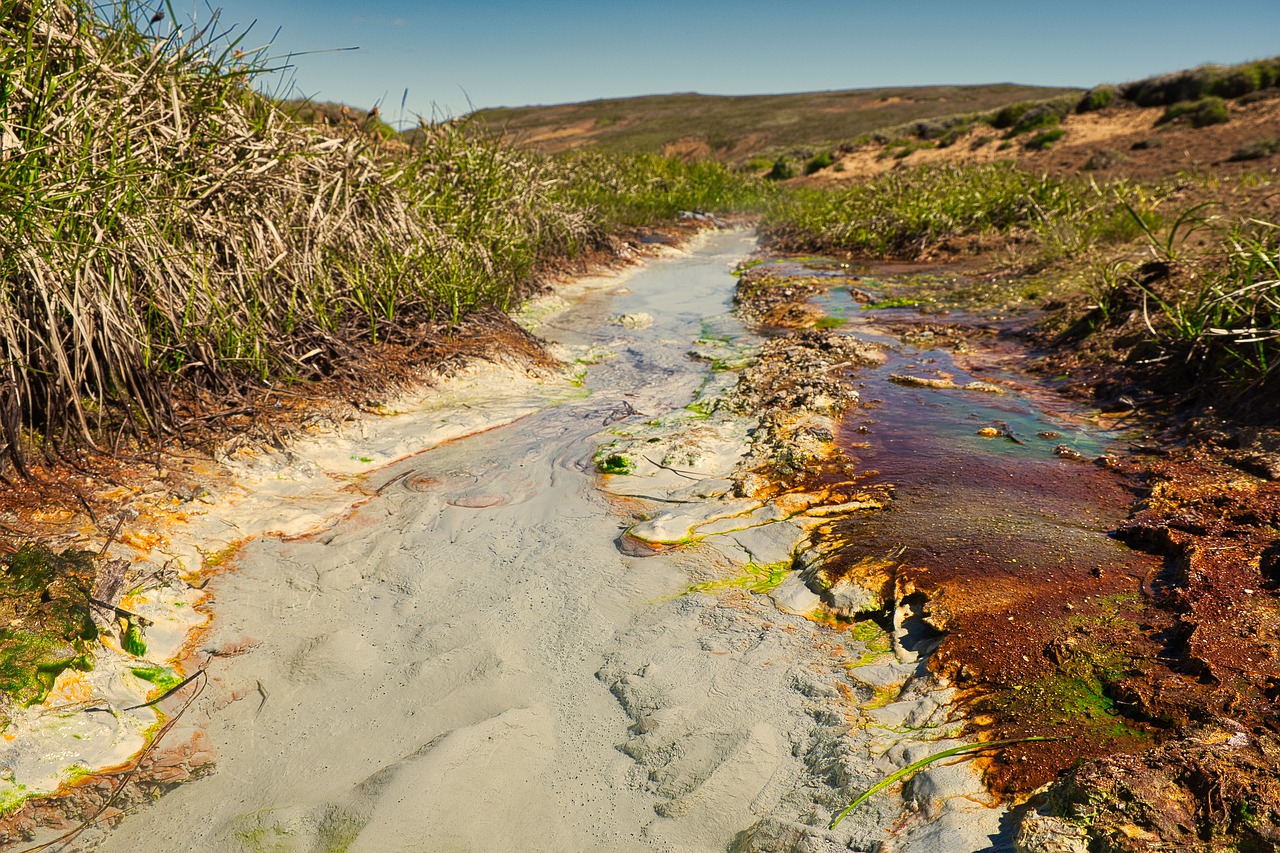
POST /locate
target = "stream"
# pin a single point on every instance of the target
(469, 661)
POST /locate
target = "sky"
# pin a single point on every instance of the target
(454, 56)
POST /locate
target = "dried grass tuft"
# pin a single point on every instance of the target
(168, 233)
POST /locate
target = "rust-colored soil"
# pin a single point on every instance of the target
(1125, 607)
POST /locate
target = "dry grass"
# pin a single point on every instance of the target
(169, 234)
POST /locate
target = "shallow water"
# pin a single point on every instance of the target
(435, 672)
(468, 662)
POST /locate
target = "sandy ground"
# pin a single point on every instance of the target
(468, 661)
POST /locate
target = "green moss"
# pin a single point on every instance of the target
(830, 323)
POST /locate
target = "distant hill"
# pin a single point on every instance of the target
(736, 127)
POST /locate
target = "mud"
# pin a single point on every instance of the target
(1115, 596)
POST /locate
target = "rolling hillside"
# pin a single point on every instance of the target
(735, 127)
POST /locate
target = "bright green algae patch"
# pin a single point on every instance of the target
(161, 676)
(45, 619)
(756, 578)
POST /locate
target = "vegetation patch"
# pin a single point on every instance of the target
(47, 626)
(625, 191)
(907, 212)
(895, 302)
(1258, 149)
(1097, 98)
(1200, 113)
(614, 463)
(755, 578)
(818, 162)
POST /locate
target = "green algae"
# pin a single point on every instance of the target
(876, 643)
(330, 830)
(895, 302)
(755, 578)
(614, 463)
(12, 794)
(161, 676)
(132, 639)
(1077, 692)
(48, 628)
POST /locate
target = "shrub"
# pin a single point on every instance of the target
(1169, 88)
(929, 129)
(1097, 98)
(1201, 113)
(1042, 115)
(1236, 82)
(782, 170)
(1008, 116)
(1044, 140)
(821, 161)
(1257, 149)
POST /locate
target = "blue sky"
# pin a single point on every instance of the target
(451, 55)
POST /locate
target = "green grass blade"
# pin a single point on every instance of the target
(925, 762)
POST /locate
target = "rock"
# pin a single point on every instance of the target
(772, 835)
(636, 321)
(850, 598)
(794, 597)
(1040, 833)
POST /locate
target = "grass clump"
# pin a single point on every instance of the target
(1258, 149)
(1226, 331)
(172, 237)
(1097, 98)
(1199, 113)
